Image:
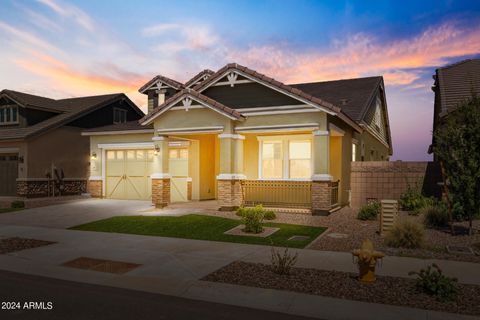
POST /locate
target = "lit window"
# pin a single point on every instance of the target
(8, 115)
(300, 159)
(272, 160)
(354, 152)
(286, 158)
(119, 115)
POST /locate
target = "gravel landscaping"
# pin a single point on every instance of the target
(345, 233)
(386, 290)
(8, 245)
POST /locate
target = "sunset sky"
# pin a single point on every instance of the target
(63, 49)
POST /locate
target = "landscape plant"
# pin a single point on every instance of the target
(413, 200)
(282, 263)
(433, 282)
(405, 234)
(17, 204)
(456, 145)
(253, 221)
(435, 216)
(369, 211)
(267, 214)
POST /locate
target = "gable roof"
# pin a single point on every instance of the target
(119, 127)
(69, 110)
(169, 82)
(354, 96)
(201, 76)
(202, 99)
(263, 79)
(457, 82)
(31, 101)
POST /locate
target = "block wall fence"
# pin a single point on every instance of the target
(381, 180)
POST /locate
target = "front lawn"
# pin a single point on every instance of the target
(5, 210)
(201, 227)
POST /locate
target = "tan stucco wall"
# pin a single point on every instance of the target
(193, 118)
(371, 143)
(22, 152)
(64, 147)
(291, 118)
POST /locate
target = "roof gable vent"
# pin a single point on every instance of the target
(344, 102)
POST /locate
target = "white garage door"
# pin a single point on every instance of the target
(128, 174)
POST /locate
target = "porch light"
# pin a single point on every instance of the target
(157, 150)
(94, 156)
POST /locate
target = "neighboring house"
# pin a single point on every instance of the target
(243, 138)
(454, 84)
(39, 135)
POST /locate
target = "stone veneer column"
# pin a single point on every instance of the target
(321, 178)
(94, 187)
(160, 177)
(230, 179)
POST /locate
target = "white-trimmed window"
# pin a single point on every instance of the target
(377, 118)
(285, 157)
(119, 115)
(8, 115)
(354, 152)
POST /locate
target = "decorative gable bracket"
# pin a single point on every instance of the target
(187, 103)
(232, 78)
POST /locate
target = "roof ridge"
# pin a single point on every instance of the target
(338, 80)
(457, 63)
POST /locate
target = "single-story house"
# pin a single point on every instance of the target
(241, 137)
(42, 151)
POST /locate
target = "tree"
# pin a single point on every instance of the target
(457, 146)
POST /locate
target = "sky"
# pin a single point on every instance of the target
(60, 48)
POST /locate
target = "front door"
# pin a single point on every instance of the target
(8, 174)
(178, 167)
(128, 174)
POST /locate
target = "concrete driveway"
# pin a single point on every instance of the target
(74, 213)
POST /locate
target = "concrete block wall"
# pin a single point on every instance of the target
(388, 180)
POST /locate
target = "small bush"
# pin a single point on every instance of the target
(283, 263)
(18, 204)
(413, 200)
(405, 234)
(435, 216)
(369, 211)
(253, 218)
(267, 214)
(432, 282)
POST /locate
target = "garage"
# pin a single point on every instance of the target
(128, 173)
(8, 174)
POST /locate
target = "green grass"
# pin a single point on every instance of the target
(5, 210)
(200, 227)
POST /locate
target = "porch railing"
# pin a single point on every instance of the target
(334, 194)
(273, 193)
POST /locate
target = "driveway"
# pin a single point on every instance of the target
(74, 213)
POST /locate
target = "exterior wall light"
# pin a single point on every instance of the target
(94, 156)
(157, 150)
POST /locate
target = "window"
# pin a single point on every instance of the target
(354, 152)
(285, 157)
(8, 115)
(377, 118)
(119, 115)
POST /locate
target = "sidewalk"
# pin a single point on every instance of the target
(174, 266)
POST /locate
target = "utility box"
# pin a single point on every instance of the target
(388, 216)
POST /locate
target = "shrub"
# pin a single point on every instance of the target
(283, 263)
(413, 200)
(253, 219)
(432, 282)
(18, 204)
(405, 234)
(267, 214)
(369, 211)
(435, 216)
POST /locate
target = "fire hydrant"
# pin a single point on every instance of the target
(367, 259)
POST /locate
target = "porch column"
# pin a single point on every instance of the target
(321, 178)
(160, 176)
(230, 179)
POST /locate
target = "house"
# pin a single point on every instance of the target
(41, 141)
(241, 137)
(454, 84)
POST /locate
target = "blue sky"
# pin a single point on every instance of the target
(62, 48)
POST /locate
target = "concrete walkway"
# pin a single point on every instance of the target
(175, 266)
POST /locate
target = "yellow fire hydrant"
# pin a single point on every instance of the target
(367, 259)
